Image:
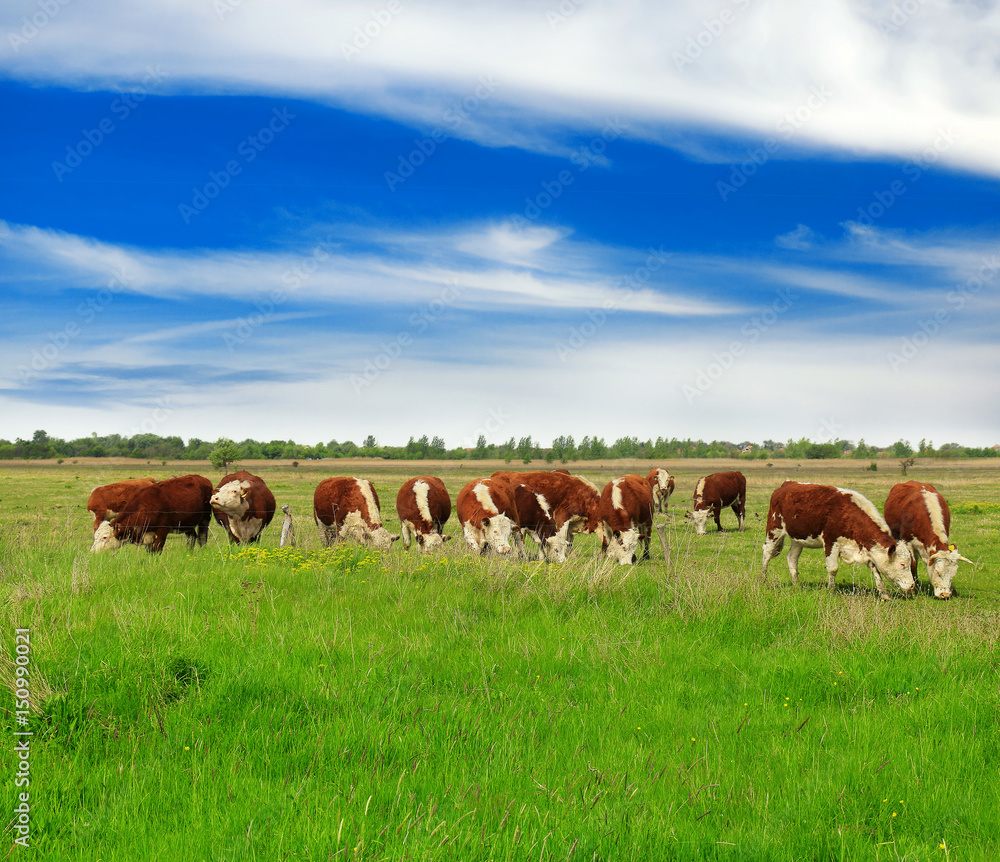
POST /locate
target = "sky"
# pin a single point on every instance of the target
(734, 220)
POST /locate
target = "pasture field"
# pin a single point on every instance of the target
(309, 703)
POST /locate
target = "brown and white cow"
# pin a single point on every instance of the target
(575, 501)
(113, 497)
(178, 505)
(486, 512)
(423, 506)
(627, 516)
(662, 485)
(714, 493)
(347, 509)
(533, 515)
(918, 515)
(845, 524)
(243, 505)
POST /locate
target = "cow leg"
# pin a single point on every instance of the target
(717, 512)
(159, 540)
(832, 559)
(772, 547)
(404, 531)
(878, 583)
(794, 551)
(645, 541)
(740, 508)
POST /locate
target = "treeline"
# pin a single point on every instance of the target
(525, 450)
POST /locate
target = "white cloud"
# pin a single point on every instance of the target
(920, 85)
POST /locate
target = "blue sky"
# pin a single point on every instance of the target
(728, 220)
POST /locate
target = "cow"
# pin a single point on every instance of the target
(662, 485)
(714, 493)
(243, 505)
(918, 515)
(178, 505)
(627, 517)
(574, 501)
(533, 515)
(423, 506)
(113, 497)
(487, 514)
(846, 525)
(347, 508)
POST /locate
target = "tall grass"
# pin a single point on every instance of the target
(309, 703)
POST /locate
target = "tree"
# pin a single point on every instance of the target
(225, 454)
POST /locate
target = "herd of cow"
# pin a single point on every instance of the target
(551, 507)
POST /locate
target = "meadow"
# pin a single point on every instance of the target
(307, 703)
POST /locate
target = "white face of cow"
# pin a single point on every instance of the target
(699, 519)
(430, 542)
(663, 480)
(381, 539)
(231, 498)
(942, 568)
(894, 566)
(623, 545)
(497, 533)
(104, 539)
(556, 548)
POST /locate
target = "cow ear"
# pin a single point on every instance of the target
(445, 538)
(486, 522)
(245, 485)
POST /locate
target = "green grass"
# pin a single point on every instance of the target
(312, 704)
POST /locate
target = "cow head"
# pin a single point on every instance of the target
(942, 567)
(431, 541)
(556, 547)
(662, 479)
(231, 498)
(497, 532)
(894, 563)
(622, 544)
(104, 538)
(356, 530)
(700, 520)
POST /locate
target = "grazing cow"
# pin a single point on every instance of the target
(423, 506)
(918, 515)
(243, 505)
(662, 485)
(627, 515)
(714, 493)
(486, 512)
(347, 509)
(844, 524)
(178, 505)
(113, 497)
(533, 516)
(574, 500)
